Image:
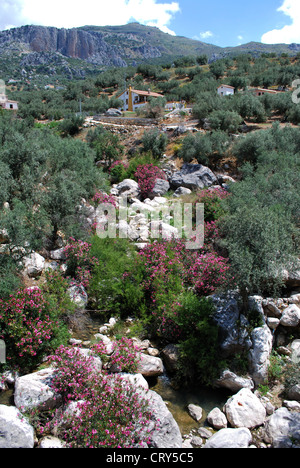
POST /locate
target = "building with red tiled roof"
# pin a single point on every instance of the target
(134, 98)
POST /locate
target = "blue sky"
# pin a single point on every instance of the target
(224, 23)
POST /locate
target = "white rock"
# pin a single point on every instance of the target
(15, 430)
(150, 366)
(282, 429)
(234, 382)
(245, 410)
(195, 412)
(34, 391)
(34, 265)
(51, 442)
(217, 419)
(230, 438)
(290, 316)
(262, 343)
(58, 254)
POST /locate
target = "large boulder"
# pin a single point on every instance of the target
(150, 366)
(233, 326)
(262, 342)
(290, 316)
(244, 409)
(193, 177)
(164, 430)
(15, 430)
(34, 265)
(233, 382)
(282, 429)
(34, 391)
(128, 188)
(230, 438)
(217, 419)
(160, 188)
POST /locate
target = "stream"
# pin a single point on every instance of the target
(177, 400)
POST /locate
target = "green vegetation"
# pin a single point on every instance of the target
(49, 163)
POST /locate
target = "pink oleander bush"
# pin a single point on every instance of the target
(28, 324)
(80, 263)
(100, 198)
(169, 270)
(146, 176)
(110, 412)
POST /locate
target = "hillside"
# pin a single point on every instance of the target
(79, 51)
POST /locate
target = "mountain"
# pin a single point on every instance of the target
(72, 51)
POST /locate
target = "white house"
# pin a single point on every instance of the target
(134, 98)
(225, 90)
(7, 104)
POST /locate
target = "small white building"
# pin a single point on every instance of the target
(225, 90)
(7, 104)
(134, 98)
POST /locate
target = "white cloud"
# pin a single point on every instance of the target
(203, 35)
(206, 34)
(290, 33)
(75, 13)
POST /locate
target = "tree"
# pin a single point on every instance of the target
(155, 142)
(226, 121)
(106, 144)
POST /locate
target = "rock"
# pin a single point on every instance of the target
(164, 430)
(293, 393)
(195, 412)
(49, 442)
(294, 299)
(196, 441)
(292, 405)
(230, 438)
(78, 295)
(290, 316)
(233, 382)
(34, 391)
(58, 254)
(113, 113)
(170, 356)
(217, 419)
(295, 349)
(150, 366)
(233, 338)
(282, 429)
(245, 410)
(293, 279)
(15, 430)
(163, 230)
(128, 188)
(34, 265)
(160, 188)
(193, 177)
(271, 309)
(182, 191)
(204, 432)
(262, 342)
(273, 323)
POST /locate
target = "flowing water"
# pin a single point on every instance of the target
(86, 325)
(177, 401)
